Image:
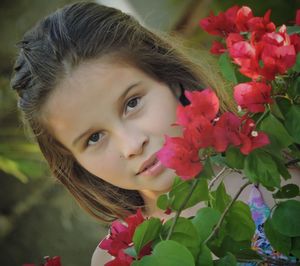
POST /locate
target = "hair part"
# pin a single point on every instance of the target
(84, 31)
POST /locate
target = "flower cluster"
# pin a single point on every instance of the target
(120, 238)
(203, 128)
(55, 261)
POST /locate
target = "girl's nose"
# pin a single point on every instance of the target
(132, 143)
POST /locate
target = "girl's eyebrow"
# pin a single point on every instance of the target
(120, 99)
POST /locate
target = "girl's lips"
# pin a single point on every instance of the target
(154, 170)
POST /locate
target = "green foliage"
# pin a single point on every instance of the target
(234, 158)
(167, 253)
(287, 191)
(291, 122)
(204, 257)
(227, 68)
(146, 232)
(287, 213)
(180, 190)
(260, 167)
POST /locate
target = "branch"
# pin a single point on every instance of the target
(182, 207)
(217, 227)
(212, 182)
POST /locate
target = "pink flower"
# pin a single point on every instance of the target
(252, 96)
(178, 154)
(250, 138)
(55, 261)
(295, 40)
(222, 24)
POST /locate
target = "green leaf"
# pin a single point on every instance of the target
(167, 253)
(286, 218)
(146, 232)
(181, 189)
(205, 220)
(204, 257)
(184, 233)
(234, 158)
(292, 124)
(241, 249)
(220, 199)
(296, 247)
(260, 167)
(278, 241)
(218, 160)
(227, 68)
(284, 104)
(294, 89)
(240, 225)
(163, 202)
(286, 192)
(228, 260)
(12, 168)
(292, 29)
(282, 169)
(276, 131)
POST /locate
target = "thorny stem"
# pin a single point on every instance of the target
(217, 227)
(212, 182)
(182, 207)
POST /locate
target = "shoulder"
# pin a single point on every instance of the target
(100, 257)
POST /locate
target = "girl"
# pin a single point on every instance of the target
(99, 92)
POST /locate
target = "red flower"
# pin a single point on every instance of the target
(122, 259)
(120, 238)
(203, 103)
(222, 24)
(243, 15)
(233, 38)
(295, 40)
(55, 261)
(199, 133)
(251, 139)
(252, 96)
(258, 26)
(217, 48)
(178, 154)
(226, 131)
(297, 22)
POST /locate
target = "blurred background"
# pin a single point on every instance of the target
(37, 216)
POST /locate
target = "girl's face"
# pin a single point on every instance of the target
(113, 118)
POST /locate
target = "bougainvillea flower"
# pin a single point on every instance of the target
(55, 261)
(217, 48)
(120, 236)
(250, 138)
(202, 103)
(118, 239)
(222, 24)
(253, 96)
(233, 38)
(199, 133)
(121, 259)
(133, 221)
(244, 14)
(178, 154)
(258, 26)
(297, 21)
(226, 131)
(295, 40)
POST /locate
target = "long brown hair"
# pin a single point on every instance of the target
(84, 31)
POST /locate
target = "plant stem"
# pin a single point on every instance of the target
(182, 207)
(217, 227)
(212, 182)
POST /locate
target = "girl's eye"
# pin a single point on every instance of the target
(132, 103)
(94, 138)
